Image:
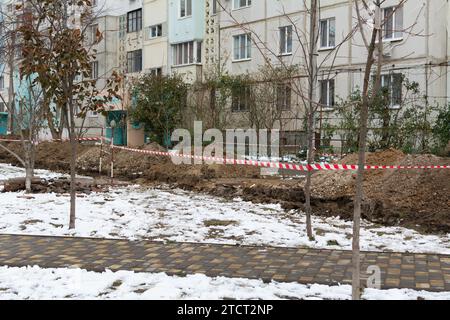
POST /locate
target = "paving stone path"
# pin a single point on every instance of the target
(399, 270)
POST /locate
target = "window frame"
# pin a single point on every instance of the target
(159, 31)
(330, 94)
(190, 53)
(158, 71)
(248, 3)
(393, 103)
(247, 47)
(214, 8)
(93, 28)
(132, 57)
(283, 96)
(94, 70)
(328, 32)
(285, 33)
(187, 9)
(136, 20)
(238, 96)
(396, 10)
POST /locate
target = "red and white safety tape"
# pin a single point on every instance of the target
(262, 164)
(80, 139)
(57, 140)
(277, 165)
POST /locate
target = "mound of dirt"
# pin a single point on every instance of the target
(328, 184)
(413, 198)
(158, 168)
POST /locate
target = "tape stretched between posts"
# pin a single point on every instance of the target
(279, 165)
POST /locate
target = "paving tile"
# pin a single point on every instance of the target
(405, 270)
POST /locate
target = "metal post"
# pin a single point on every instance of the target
(112, 156)
(101, 155)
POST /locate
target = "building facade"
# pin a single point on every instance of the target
(415, 48)
(186, 34)
(194, 39)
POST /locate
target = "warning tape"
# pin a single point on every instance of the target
(58, 140)
(10, 140)
(279, 165)
(262, 164)
(80, 139)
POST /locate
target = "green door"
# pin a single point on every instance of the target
(3, 123)
(120, 129)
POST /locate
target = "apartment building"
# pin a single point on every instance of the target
(120, 49)
(192, 38)
(186, 34)
(156, 48)
(415, 44)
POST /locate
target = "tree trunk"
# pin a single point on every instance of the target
(73, 157)
(310, 160)
(29, 172)
(28, 178)
(364, 115)
(314, 24)
(11, 89)
(70, 124)
(56, 135)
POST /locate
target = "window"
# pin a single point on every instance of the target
(134, 21)
(286, 40)
(393, 23)
(2, 82)
(134, 59)
(187, 53)
(94, 70)
(93, 33)
(185, 8)
(156, 71)
(155, 31)
(327, 93)
(237, 4)
(328, 33)
(241, 99)
(214, 6)
(283, 96)
(2, 107)
(392, 83)
(242, 47)
(92, 114)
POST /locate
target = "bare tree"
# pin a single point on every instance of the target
(306, 75)
(370, 20)
(29, 120)
(25, 107)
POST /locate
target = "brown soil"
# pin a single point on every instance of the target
(418, 199)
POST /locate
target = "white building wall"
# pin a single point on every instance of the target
(155, 51)
(424, 43)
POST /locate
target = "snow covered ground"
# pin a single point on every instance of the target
(176, 215)
(8, 172)
(37, 283)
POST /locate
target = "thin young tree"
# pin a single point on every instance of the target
(29, 120)
(55, 54)
(25, 106)
(370, 21)
(304, 84)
